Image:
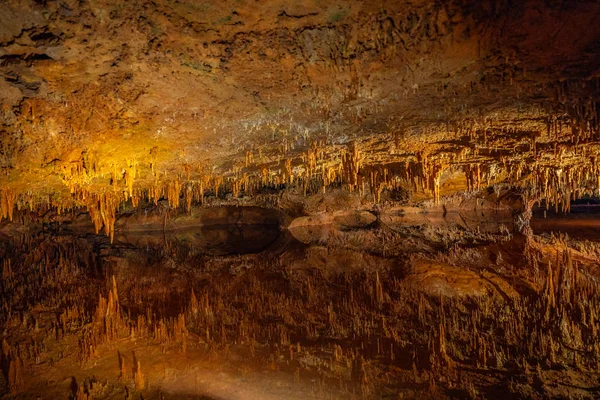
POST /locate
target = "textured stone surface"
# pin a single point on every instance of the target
(103, 101)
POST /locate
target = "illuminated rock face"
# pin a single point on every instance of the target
(105, 103)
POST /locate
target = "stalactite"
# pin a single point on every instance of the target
(8, 200)
(351, 163)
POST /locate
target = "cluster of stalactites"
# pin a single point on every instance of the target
(351, 164)
(8, 199)
(578, 100)
(557, 174)
(103, 211)
(431, 175)
(423, 174)
(560, 186)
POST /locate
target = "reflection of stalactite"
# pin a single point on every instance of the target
(122, 367)
(139, 379)
(16, 375)
(559, 317)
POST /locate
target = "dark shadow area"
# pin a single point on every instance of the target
(215, 239)
(583, 222)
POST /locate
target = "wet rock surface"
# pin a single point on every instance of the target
(349, 313)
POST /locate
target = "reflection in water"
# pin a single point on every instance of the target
(488, 221)
(583, 222)
(415, 311)
(212, 239)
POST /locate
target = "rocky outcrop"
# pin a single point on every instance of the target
(109, 103)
